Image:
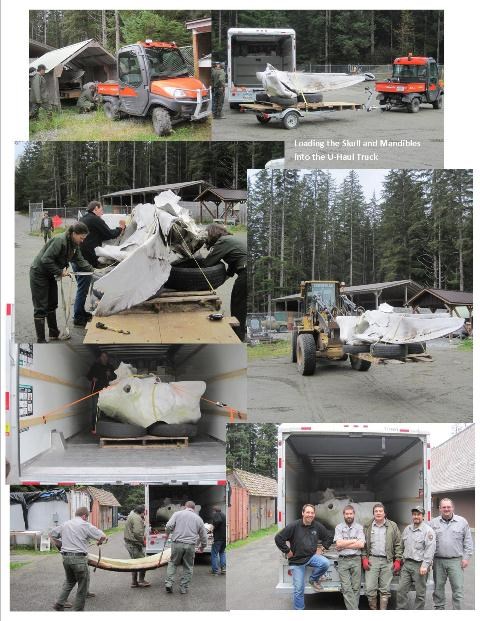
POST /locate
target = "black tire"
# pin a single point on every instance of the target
(306, 354)
(388, 350)
(360, 365)
(285, 102)
(186, 276)
(414, 105)
(234, 106)
(110, 428)
(293, 353)
(165, 430)
(262, 119)
(111, 111)
(364, 348)
(416, 348)
(291, 120)
(310, 97)
(282, 329)
(262, 97)
(438, 105)
(162, 123)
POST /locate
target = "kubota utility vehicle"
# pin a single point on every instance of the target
(415, 80)
(153, 81)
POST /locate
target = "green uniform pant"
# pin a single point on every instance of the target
(182, 554)
(35, 109)
(44, 293)
(410, 576)
(136, 550)
(47, 234)
(451, 569)
(87, 106)
(218, 95)
(76, 572)
(379, 577)
(350, 573)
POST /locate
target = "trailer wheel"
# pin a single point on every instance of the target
(290, 120)
(293, 353)
(359, 365)
(111, 111)
(162, 123)
(263, 120)
(185, 275)
(110, 428)
(438, 105)
(414, 105)
(388, 350)
(174, 430)
(306, 354)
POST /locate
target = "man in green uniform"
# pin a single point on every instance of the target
(452, 554)
(218, 90)
(39, 94)
(87, 102)
(46, 227)
(350, 540)
(418, 543)
(233, 251)
(133, 536)
(380, 556)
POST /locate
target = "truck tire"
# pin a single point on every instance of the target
(162, 123)
(290, 120)
(360, 365)
(306, 354)
(186, 276)
(414, 105)
(310, 97)
(263, 120)
(110, 428)
(364, 348)
(416, 348)
(234, 106)
(262, 97)
(293, 353)
(438, 105)
(285, 102)
(388, 350)
(174, 430)
(111, 111)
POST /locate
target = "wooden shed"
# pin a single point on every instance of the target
(103, 508)
(453, 301)
(227, 203)
(202, 48)
(252, 502)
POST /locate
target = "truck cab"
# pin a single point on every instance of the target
(153, 80)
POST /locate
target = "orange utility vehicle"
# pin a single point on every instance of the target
(415, 80)
(153, 81)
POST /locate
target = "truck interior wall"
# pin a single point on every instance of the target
(66, 383)
(253, 56)
(207, 496)
(223, 368)
(297, 485)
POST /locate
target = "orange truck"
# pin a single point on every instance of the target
(415, 80)
(153, 81)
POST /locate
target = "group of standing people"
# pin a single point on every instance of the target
(381, 551)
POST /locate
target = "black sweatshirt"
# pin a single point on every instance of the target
(303, 540)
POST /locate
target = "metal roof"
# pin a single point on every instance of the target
(460, 298)
(381, 285)
(256, 484)
(85, 54)
(153, 188)
(225, 194)
(453, 463)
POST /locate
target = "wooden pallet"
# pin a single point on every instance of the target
(144, 442)
(179, 301)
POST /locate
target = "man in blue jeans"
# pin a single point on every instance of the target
(217, 555)
(307, 540)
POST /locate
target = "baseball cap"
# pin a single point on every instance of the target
(419, 510)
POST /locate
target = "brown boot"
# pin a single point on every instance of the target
(372, 603)
(384, 602)
(134, 584)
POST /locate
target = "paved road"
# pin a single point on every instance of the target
(26, 248)
(36, 585)
(243, 593)
(435, 392)
(425, 127)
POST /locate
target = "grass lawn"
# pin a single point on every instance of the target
(17, 565)
(258, 534)
(466, 345)
(26, 551)
(269, 350)
(69, 125)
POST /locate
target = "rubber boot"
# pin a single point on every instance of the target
(40, 329)
(134, 579)
(384, 602)
(372, 603)
(141, 579)
(53, 331)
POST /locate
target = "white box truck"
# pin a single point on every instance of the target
(249, 51)
(364, 462)
(161, 501)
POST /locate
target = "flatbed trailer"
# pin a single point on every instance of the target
(290, 116)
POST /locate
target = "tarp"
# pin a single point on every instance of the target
(290, 84)
(130, 564)
(28, 498)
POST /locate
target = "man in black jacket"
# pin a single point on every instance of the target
(217, 555)
(307, 540)
(98, 233)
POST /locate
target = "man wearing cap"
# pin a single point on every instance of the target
(350, 539)
(218, 92)
(98, 232)
(133, 537)
(380, 556)
(72, 538)
(39, 94)
(454, 547)
(418, 544)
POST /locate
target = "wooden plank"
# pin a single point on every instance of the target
(171, 299)
(30, 373)
(144, 442)
(180, 294)
(167, 328)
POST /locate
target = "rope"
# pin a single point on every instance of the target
(67, 309)
(187, 249)
(99, 558)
